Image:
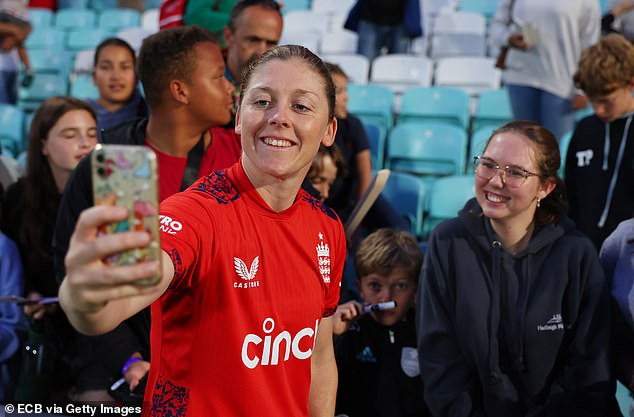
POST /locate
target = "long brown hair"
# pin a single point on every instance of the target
(40, 196)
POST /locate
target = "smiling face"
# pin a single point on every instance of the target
(397, 286)
(114, 76)
(283, 118)
(69, 140)
(511, 206)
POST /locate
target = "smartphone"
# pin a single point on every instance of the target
(127, 176)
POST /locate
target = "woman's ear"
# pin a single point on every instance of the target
(331, 130)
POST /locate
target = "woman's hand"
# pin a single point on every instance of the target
(517, 41)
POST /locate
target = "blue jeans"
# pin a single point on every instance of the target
(8, 87)
(372, 38)
(553, 112)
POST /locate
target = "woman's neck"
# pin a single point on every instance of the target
(278, 193)
(514, 237)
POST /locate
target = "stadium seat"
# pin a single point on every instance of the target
(43, 87)
(427, 149)
(400, 71)
(72, 19)
(308, 39)
(484, 7)
(295, 5)
(447, 197)
(41, 18)
(134, 36)
(474, 74)
(84, 62)
(371, 103)
(150, 20)
(50, 62)
(305, 21)
(493, 109)
(420, 46)
(152, 4)
(331, 6)
(85, 39)
(457, 44)
(376, 137)
(356, 67)
(73, 4)
(45, 38)
(435, 104)
(11, 119)
(337, 21)
(434, 7)
(82, 87)
(113, 20)
(564, 142)
(460, 22)
(407, 194)
(340, 41)
(101, 5)
(477, 144)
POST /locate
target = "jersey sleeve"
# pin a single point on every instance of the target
(186, 232)
(338, 261)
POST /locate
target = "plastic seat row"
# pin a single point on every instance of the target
(425, 205)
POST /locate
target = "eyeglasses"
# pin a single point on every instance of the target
(513, 176)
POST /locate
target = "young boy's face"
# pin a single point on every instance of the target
(614, 105)
(341, 98)
(397, 286)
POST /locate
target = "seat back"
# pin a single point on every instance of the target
(45, 38)
(458, 44)
(85, 39)
(407, 194)
(71, 19)
(427, 149)
(371, 102)
(83, 88)
(305, 21)
(113, 20)
(437, 104)
(460, 22)
(356, 66)
(447, 197)
(339, 41)
(474, 74)
(11, 119)
(41, 17)
(399, 71)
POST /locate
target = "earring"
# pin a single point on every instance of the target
(538, 202)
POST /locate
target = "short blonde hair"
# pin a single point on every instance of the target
(605, 66)
(387, 249)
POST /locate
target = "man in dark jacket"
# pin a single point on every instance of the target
(182, 72)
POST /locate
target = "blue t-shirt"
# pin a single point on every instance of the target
(135, 108)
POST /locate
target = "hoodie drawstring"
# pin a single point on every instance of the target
(494, 314)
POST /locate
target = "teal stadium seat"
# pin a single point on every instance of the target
(476, 145)
(371, 103)
(376, 137)
(41, 18)
(623, 398)
(43, 87)
(427, 149)
(484, 7)
(152, 4)
(407, 194)
(493, 109)
(85, 39)
(295, 5)
(72, 4)
(446, 197)
(50, 62)
(82, 87)
(11, 118)
(435, 104)
(101, 5)
(113, 20)
(564, 142)
(73, 19)
(46, 38)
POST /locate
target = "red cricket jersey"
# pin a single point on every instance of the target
(234, 332)
(224, 151)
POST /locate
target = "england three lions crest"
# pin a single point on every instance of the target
(323, 259)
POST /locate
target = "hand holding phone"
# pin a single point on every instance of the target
(126, 176)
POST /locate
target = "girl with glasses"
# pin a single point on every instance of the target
(513, 307)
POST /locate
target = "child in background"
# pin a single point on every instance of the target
(15, 27)
(376, 352)
(599, 176)
(327, 166)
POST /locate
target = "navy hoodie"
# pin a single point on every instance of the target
(513, 335)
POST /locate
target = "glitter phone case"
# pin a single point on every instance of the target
(127, 176)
